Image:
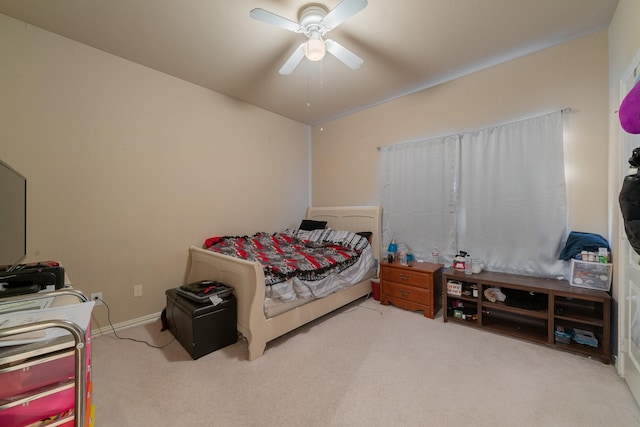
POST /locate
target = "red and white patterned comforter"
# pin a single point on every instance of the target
(300, 264)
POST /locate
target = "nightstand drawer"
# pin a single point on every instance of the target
(407, 277)
(412, 293)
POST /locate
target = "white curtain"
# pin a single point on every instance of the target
(498, 193)
(513, 210)
(417, 194)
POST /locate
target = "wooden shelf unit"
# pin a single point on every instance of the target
(564, 306)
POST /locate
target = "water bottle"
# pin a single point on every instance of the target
(403, 257)
(467, 265)
(435, 256)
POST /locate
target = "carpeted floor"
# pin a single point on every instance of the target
(363, 365)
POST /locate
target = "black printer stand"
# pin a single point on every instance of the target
(201, 328)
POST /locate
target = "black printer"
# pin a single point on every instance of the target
(31, 278)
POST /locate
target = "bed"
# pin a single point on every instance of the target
(248, 279)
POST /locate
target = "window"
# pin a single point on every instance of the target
(498, 193)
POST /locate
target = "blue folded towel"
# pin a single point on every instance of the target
(579, 241)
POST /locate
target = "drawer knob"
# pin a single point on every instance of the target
(404, 276)
(404, 293)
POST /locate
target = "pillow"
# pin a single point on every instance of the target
(347, 239)
(309, 224)
(366, 234)
(317, 235)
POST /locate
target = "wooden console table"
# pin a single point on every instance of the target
(555, 305)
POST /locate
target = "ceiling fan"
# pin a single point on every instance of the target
(315, 20)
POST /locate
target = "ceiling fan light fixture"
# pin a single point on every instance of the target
(314, 21)
(314, 48)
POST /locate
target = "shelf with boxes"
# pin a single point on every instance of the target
(540, 310)
(463, 300)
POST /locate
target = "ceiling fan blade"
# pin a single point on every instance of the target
(350, 59)
(272, 18)
(293, 61)
(342, 12)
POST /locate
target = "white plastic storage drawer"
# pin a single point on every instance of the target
(592, 275)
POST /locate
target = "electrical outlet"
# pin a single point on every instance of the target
(97, 297)
(137, 291)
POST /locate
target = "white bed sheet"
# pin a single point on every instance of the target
(361, 270)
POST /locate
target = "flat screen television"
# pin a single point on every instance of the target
(13, 217)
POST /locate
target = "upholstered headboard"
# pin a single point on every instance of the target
(352, 218)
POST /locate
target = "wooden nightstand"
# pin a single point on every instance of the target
(417, 286)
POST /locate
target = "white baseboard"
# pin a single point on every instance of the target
(125, 325)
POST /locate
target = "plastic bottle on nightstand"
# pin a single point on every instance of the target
(403, 256)
(393, 247)
(435, 256)
(403, 253)
(468, 269)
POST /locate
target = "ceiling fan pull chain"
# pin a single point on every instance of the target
(309, 89)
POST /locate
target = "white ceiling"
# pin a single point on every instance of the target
(406, 45)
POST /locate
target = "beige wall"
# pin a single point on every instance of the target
(127, 167)
(573, 74)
